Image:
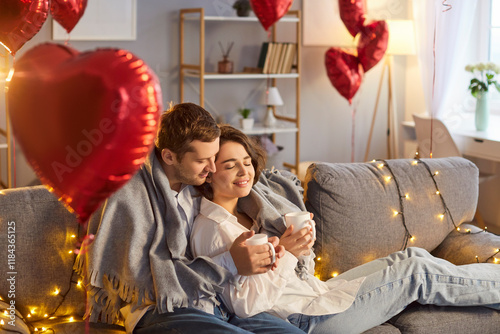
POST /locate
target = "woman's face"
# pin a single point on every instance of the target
(234, 172)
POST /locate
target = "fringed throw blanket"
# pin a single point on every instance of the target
(140, 244)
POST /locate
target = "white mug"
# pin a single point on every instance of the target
(299, 220)
(261, 239)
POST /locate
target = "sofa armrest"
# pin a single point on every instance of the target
(462, 247)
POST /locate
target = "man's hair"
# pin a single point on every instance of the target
(183, 123)
(252, 147)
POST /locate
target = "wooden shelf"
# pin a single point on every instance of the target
(259, 129)
(193, 17)
(196, 16)
(218, 76)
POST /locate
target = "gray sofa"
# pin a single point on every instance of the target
(354, 208)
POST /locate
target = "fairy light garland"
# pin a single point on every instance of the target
(446, 209)
(405, 196)
(401, 196)
(56, 292)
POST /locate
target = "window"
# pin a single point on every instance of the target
(494, 40)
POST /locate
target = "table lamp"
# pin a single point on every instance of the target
(271, 98)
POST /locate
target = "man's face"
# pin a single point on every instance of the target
(194, 167)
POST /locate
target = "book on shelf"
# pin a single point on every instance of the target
(263, 55)
(277, 58)
(289, 57)
(267, 61)
(279, 68)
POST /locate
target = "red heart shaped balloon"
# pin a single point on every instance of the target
(20, 20)
(85, 121)
(373, 44)
(344, 72)
(352, 13)
(270, 11)
(67, 12)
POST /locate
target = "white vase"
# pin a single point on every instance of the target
(246, 123)
(482, 111)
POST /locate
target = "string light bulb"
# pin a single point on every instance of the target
(436, 173)
(441, 216)
(56, 291)
(437, 192)
(414, 162)
(335, 274)
(388, 178)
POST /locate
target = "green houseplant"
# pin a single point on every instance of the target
(246, 121)
(484, 77)
(242, 7)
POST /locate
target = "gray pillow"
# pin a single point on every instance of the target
(43, 239)
(462, 247)
(354, 204)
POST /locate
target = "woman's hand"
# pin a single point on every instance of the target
(298, 243)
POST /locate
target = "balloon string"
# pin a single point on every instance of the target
(14, 164)
(433, 82)
(353, 137)
(447, 5)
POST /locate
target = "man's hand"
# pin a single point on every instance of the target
(298, 243)
(251, 260)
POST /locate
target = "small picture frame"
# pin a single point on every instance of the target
(103, 20)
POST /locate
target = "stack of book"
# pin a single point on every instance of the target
(277, 58)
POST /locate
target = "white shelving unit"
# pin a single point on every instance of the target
(197, 71)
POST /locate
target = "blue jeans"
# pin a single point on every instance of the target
(395, 281)
(191, 320)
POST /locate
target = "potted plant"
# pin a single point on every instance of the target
(246, 122)
(242, 7)
(484, 76)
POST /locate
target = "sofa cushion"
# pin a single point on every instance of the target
(462, 247)
(354, 204)
(425, 319)
(42, 261)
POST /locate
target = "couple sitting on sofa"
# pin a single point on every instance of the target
(140, 254)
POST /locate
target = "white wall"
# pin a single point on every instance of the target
(326, 116)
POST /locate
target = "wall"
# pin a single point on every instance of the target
(326, 116)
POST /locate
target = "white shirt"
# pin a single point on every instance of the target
(280, 292)
(188, 204)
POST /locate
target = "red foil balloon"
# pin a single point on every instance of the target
(85, 121)
(20, 20)
(67, 12)
(352, 13)
(270, 11)
(344, 71)
(373, 44)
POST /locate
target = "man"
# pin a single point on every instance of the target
(139, 266)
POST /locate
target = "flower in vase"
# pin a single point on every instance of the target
(484, 76)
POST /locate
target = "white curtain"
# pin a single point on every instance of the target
(452, 32)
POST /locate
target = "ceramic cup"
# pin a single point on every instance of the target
(261, 239)
(299, 220)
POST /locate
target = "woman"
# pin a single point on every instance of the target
(353, 302)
